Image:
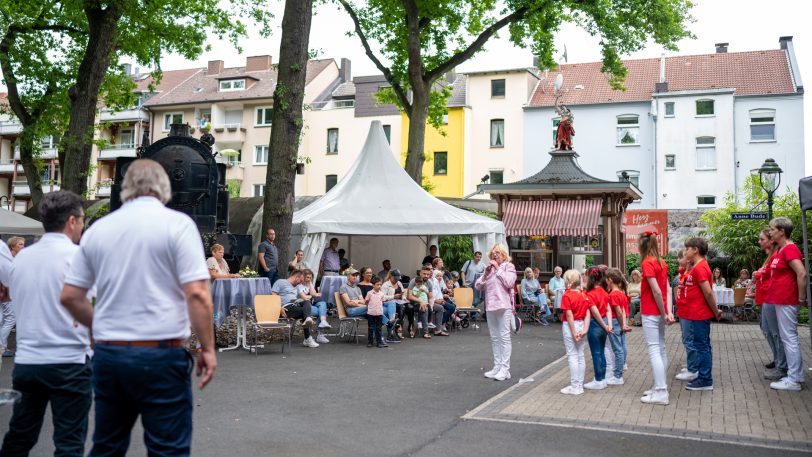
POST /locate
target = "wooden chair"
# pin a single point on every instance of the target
(345, 321)
(464, 300)
(741, 307)
(267, 309)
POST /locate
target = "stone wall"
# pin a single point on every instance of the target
(682, 224)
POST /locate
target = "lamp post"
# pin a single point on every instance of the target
(769, 178)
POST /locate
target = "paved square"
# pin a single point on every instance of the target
(742, 409)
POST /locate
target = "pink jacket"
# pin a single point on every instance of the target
(498, 287)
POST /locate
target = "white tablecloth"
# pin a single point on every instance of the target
(329, 286)
(724, 296)
(231, 292)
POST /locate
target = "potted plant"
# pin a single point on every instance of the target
(300, 164)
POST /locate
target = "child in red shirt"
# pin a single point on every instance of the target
(599, 327)
(575, 306)
(619, 305)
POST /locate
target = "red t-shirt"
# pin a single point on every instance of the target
(762, 278)
(659, 271)
(680, 295)
(577, 302)
(599, 298)
(618, 298)
(783, 288)
(695, 307)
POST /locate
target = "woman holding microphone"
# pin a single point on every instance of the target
(497, 283)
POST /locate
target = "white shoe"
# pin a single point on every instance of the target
(613, 381)
(325, 324)
(420, 326)
(595, 385)
(656, 398)
(502, 375)
(625, 366)
(683, 370)
(686, 376)
(572, 390)
(785, 384)
(490, 374)
(310, 343)
(648, 392)
(431, 325)
(322, 339)
(308, 322)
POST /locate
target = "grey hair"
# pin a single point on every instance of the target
(146, 177)
(783, 224)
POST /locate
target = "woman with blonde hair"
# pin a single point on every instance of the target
(497, 283)
(633, 289)
(777, 367)
(218, 267)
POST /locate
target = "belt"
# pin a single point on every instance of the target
(166, 344)
(331, 271)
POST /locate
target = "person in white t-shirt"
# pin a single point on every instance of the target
(152, 284)
(52, 363)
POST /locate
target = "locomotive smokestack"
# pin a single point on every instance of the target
(179, 130)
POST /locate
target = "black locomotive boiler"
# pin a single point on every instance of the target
(198, 187)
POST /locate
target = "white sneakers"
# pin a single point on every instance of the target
(501, 375)
(785, 384)
(656, 398)
(310, 343)
(595, 385)
(686, 376)
(613, 381)
(491, 373)
(572, 390)
(308, 322)
(321, 339)
(324, 324)
(431, 325)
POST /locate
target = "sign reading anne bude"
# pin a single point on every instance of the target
(636, 222)
(745, 216)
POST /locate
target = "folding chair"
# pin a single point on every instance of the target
(346, 321)
(740, 305)
(464, 299)
(529, 310)
(267, 309)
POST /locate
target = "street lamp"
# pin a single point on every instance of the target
(769, 177)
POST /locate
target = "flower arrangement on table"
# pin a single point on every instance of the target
(247, 272)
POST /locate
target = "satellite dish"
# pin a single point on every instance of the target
(559, 81)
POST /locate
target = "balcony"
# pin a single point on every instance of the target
(127, 115)
(103, 188)
(10, 127)
(7, 167)
(114, 151)
(21, 189)
(229, 135)
(45, 153)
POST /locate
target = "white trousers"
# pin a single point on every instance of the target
(609, 355)
(499, 328)
(7, 321)
(788, 329)
(575, 353)
(654, 332)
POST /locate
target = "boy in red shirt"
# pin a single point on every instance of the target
(696, 309)
(575, 309)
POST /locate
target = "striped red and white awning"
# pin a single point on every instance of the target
(552, 217)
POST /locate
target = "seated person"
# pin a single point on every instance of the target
(293, 307)
(455, 278)
(307, 291)
(427, 305)
(393, 293)
(744, 279)
(444, 298)
(351, 295)
(298, 262)
(387, 267)
(343, 262)
(218, 267)
(533, 294)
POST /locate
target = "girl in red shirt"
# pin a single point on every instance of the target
(777, 368)
(575, 306)
(656, 312)
(600, 325)
(619, 306)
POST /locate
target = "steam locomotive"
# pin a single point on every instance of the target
(198, 187)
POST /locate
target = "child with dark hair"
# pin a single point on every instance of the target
(374, 302)
(619, 304)
(600, 325)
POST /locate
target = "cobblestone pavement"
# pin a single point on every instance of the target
(742, 409)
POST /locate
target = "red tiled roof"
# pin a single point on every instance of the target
(749, 73)
(170, 79)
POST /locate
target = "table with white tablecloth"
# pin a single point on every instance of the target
(230, 293)
(724, 296)
(329, 286)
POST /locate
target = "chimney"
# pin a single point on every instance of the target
(137, 73)
(721, 48)
(258, 63)
(215, 67)
(784, 41)
(661, 86)
(345, 72)
(127, 69)
(535, 61)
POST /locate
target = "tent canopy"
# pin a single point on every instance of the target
(12, 223)
(378, 198)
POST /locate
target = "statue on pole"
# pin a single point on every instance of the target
(565, 131)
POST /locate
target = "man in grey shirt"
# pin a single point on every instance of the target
(352, 296)
(435, 308)
(268, 256)
(330, 263)
(294, 308)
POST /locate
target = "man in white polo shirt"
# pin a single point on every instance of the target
(51, 364)
(151, 280)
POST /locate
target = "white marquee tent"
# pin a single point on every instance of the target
(12, 223)
(380, 212)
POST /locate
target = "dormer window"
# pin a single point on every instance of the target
(232, 84)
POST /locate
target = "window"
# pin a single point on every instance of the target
(126, 138)
(670, 162)
(235, 159)
(555, 128)
(706, 153)
(259, 190)
(445, 117)
(632, 175)
(204, 118)
(172, 118)
(48, 142)
(762, 125)
(261, 155)
(704, 108)
(330, 182)
(387, 130)
(628, 130)
(669, 109)
(497, 176)
(264, 116)
(497, 88)
(233, 118)
(440, 163)
(232, 84)
(705, 201)
(332, 141)
(497, 133)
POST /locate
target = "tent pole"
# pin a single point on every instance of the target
(806, 262)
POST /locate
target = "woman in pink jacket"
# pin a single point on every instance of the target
(498, 282)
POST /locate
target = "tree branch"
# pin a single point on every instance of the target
(396, 85)
(11, 81)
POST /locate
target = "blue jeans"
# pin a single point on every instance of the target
(390, 310)
(272, 276)
(448, 310)
(596, 336)
(779, 356)
(696, 338)
(357, 311)
(618, 348)
(318, 309)
(154, 383)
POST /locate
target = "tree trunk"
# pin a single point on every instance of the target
(287, 125)
(77, 144)
(32, 173)
(415, 154)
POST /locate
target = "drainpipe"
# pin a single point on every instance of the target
(654, 147)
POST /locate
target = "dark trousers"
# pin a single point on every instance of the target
(374, 324)
(154, 383)
(272, 276)
(299, 310)
(596, 336)
(448, 310)
(67, 387)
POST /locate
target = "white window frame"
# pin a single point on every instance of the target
(200, 115)
(167, 126)
(705, 146)
(634, 176)
(387, 131)
(497, 170)
(673, 109)
(762, 113)
(325, 183)
(257, 156)
(258, 190)
(338, 139)
(674, 158)
(706, 205)
(121, 138)
(259, 118)
(696, 107)
(229, 85)
(494, 145)
(635, 126)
